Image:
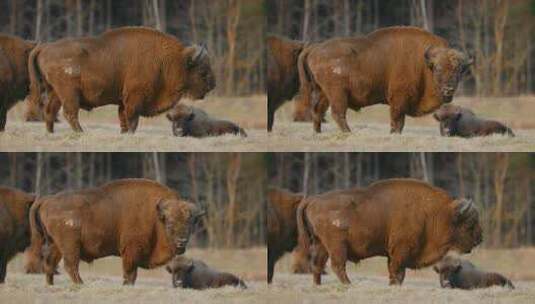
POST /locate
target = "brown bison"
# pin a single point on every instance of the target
(14, 79)
(410, 222)
(143, 71)
(191, 273)
(14, 225)
(282, 74)
(282, 225)
(197, 123)
(411, 70)
(457, 273)
(142, 221)
(459, 121)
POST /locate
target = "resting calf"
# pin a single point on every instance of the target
(458, 273)
(462, 122)
(191, 273)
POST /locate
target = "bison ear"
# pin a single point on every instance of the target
(160, 209)
(429, 54)
(463, 207)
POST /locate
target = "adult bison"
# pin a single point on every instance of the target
(410, 222)
(411, 70)
(142, 221)
(282, 225)
(14, 225)
(142, 70)
(14, 79)
(282, 74)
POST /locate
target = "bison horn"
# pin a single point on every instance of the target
(200, 52)
(465, 205)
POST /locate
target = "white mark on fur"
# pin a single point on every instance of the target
(70, 223)
(337, 223)
(72, 71)
(337, 70)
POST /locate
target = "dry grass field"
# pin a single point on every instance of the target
(370, 130)
(370, 283)
(103, 282)
(102, 131)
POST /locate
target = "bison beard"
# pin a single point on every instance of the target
(14, 225)
(358, 72)
(94, 223)
(353, 225)
(14, 80)
(118, 71)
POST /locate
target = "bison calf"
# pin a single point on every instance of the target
(457, 273)
(191, 273)
(14, 225)
(195, 122)
(462, 122)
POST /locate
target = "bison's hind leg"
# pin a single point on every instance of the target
(319, 257)
(338, 99)
(320, 104)
(338, 253)
(51, 258)
(51, 110)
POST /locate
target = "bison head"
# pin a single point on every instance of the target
(449, 116)
(467, 232)
(179, 218)
(447, 267)
(179, 267)
(448, 66)
(200, 78)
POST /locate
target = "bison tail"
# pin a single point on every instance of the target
(35, 77)
(38, 238)
(306, 80)
(304, 233)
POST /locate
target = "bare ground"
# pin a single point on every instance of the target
(370, 130)
(370, 283)
(103, 282)
(102, 131)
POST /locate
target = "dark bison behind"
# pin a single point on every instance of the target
(282, 74)
(142, 221)
(410, 222)
(282, 225)
(14, 225)
(14, 79)
(143, 71)
(407, 68)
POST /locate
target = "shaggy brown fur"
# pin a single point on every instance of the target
(191, 273)
(457, 273)
(282, 75)
(459, 121)
(14, 225)
(143, 71)
(411, 70)
(14, 80)
(282, 225)
(197, 123)
(410, 222)
(142, 221)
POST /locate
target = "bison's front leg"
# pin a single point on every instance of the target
(3, 267)
(3, 116)
(271, 266)
(129, 268)
(397, 120)
(122, 119)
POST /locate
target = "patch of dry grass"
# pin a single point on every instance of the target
(103, 282)
(102, 131)
(370, 283)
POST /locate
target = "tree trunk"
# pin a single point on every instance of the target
(233, 173)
